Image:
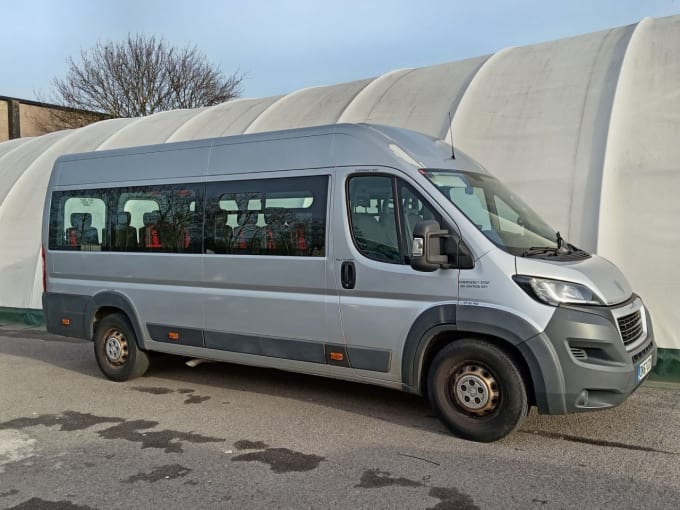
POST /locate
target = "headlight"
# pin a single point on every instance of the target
(556, 292)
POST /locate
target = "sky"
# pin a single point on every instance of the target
(282, 46)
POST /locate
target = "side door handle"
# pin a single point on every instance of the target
(348, 275)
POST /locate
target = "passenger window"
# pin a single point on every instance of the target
(285, 217)
(78, 220)
(414, 209)
(158, 219)
(372, 217)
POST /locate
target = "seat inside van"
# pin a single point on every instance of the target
(123, 235)
(247, 235)
(81, 231)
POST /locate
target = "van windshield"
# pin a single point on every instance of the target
(499, 213)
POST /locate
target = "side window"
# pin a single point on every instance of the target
(165, 219)
(373, 218)
(158, 219)
(414, 209)
(78, 220)
(283, 216)
(380, 222)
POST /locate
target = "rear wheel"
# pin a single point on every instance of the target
(116, 351)
(477, 390)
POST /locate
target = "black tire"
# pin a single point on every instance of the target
(116, 351)
(477, 390)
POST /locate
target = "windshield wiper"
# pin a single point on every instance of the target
(562, 245)
(562, 248)
(540, 250)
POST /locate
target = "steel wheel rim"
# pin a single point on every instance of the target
(474, 389)
(115, 347)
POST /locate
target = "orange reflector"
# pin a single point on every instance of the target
(336, 356)
(65, 322)
(173, 335)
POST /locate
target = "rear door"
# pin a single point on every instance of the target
(380, 294)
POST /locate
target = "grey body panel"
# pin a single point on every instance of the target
(466, 321)
(141, 278)
(388, 298)
(431, 322)
(74, 307)
(129, 165)
(259, 297)
(558, 378)
(312, 352)
(596, 273)
(607, 374)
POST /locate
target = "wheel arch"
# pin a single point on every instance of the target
(447, 336)
(443, 324)
(110, 302)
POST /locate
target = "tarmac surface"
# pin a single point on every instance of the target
(228, 436)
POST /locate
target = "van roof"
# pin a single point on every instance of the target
(313, 147)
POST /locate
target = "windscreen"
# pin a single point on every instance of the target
(495, 210)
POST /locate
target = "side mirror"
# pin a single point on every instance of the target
(465, 259)
(426, 253)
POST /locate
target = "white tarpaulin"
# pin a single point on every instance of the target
(585, 129)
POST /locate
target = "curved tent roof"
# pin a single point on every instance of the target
(585, 129)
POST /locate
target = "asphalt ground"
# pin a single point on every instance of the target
(228, 436)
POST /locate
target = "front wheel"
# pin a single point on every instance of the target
(477, 390)
(116, 351)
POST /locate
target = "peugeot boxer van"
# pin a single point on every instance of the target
(360, 252)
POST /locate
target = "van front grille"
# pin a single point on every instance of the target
(578, 353)
(630, 327)
(637, 357)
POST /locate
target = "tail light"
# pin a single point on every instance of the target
(44, 268)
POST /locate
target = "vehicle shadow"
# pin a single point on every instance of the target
(622, 427)
(364, 399)
(169, 372)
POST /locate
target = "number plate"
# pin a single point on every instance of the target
(644, 368)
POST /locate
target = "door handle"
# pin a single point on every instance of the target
(348, 275)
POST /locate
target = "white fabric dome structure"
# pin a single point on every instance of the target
(585, 129)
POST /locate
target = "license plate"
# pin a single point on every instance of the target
(644, 368)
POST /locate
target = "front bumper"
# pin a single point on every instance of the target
(586, 365)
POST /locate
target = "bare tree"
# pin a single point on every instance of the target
(141, 76)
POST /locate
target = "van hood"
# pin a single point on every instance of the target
(597, 273)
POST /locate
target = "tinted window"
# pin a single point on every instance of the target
(78, 220)
(267, 217)
(373, 218)
(414, 209)
(380, 230)
(164, 219)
